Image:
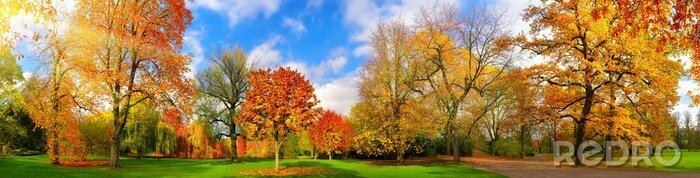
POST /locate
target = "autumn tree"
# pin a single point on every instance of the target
(54, 94)
(609, 81)
(280, 103)
(463, 56)
(225, 81)
(386, 114)
(332, 133)
(134, 54)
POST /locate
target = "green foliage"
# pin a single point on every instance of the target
(306, 146)
(94, 134)
(16, 128)
(291, 146)
(510, 147)
(166, 140)
(140, 134)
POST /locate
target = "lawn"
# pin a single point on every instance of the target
(38, 166)
(690, 162)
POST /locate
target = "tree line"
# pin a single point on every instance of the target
(114, 82)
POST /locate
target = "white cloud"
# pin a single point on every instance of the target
(514, 12)
(27, 75)
(314, 3)
(237, 10)
(332, 65)
(295, 25)
(193, 46)
(687, 85)
(266, 54)
(364, 50)
(339, 95)
(363, 16)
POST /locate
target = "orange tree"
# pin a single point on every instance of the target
(132, 49)
(331, 133)
(279, 103)
(609, 81)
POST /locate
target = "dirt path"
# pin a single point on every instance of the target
(542, 168)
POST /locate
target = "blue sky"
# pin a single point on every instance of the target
(327, 40)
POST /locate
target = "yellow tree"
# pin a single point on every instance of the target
(384, 116)
(463, 55)
(132, 49)
(54, 95)
(596, 69)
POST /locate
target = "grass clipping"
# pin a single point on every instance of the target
(292, 171)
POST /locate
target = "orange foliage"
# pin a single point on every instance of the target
(54, 112)
(332, 133)
(142, 43)
(242, 145)
(280, 103)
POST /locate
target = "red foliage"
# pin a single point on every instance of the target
(331, 133)
(241, 146)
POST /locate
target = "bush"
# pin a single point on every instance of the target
(25, 152)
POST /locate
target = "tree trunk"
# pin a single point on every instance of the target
(234, 147)
(312, 153)
(399, 157)
(55, 160)
(277, 155)
(455, 144)
(330, 155)
(579, 140)
(114, 153)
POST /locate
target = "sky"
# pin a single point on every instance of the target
(326, 40)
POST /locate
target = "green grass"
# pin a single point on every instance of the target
(38, 166)
(690, 162)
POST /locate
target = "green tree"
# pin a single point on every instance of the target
(224, 83)
(140, 134)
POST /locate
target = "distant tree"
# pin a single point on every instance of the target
(140, 133)
(280, 103)
(332, 133)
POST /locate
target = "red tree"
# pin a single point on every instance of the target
(332, 133)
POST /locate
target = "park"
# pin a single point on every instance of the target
(357, 88)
